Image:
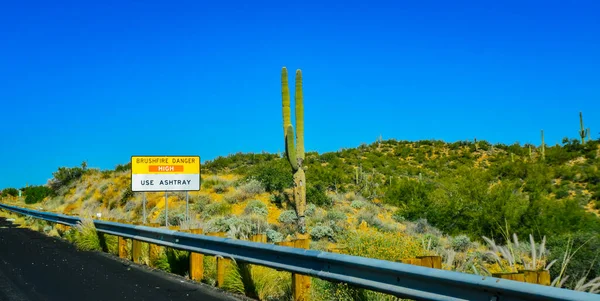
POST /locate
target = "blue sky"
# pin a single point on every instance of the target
(104, 80)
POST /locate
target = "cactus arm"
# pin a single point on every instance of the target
(285, 99)
(299, 99)
(290, 149)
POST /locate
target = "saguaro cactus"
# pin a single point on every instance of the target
(582, 131)
(543, 147)
(295, 151)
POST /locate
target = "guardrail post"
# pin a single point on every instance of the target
(301, 283)
(221, 262)
(510, 276)
(413, 261)
(196, 261)
(537, 277)
(122, 247)
(434, 262)
(153, 250)
(136, 249)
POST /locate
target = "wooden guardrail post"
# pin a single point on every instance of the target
(196, 261)
(122, 247)
(510, 276)
(434, 262)
(300, 283)
(413, 261)
(136, 249)
(153, 250)
(537, 277)
(221, 262)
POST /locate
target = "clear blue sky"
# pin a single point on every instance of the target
(103, 80)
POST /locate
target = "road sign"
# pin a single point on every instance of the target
(165, 173)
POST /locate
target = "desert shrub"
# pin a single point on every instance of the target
(583, 246)
(162, 263)
(256, 207)
(310, 209)
(398, 216)
(176, 216)
(123, 167)
(220, 188)
(237, 227)
(422, 226)
(218, 208)
(288, 217)
(64, 176)
(335, 215)
(199, 203)
(370, 217)
(126, 196)
(274, 175)
(249, 189)
(320, 232)
(86, 237)
(10, 192)
(430, 241)
(35, 194)
(274, 236)
(358, 204)
(380, 245)
(460, 243)
(178, 260)
(315, 194)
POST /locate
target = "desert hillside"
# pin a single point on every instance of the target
(469, 202)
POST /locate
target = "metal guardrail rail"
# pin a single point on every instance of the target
(401, 280)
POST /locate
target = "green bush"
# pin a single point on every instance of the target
(256, 207)
(358, 204)
(35, 194)
(219, 208)
(288, 217)
(319, 232)
(199, 204)
(315, 194)
(275, 175)
(10, 192)
(274, 236)
(310, 209)
(460, 243)
(335, 215)
(64, 176)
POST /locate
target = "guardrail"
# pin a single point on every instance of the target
(398, 279)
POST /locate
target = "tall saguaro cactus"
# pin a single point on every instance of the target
(295, 151)
(582, 131)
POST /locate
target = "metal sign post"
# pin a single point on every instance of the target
(166, 208)
(187, 205)
(144, 205)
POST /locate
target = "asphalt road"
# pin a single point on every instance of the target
(36, 267)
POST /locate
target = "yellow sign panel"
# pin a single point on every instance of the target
(165, 164)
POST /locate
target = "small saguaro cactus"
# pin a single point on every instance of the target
(295, 151)
(589, 135)
(543, 147)
(582, 131)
